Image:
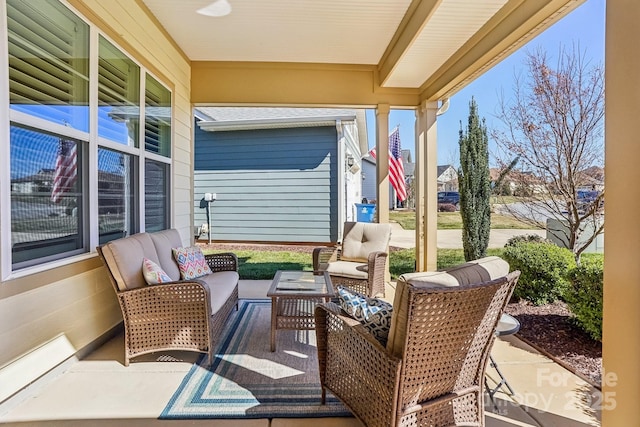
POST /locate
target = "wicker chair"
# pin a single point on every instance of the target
(361, 262)
(179, 315)
(437, 379)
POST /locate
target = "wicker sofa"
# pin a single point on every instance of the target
(431, 370)
(176, 315)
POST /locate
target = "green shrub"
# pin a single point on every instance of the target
(527, 238)
(584, 295)
(543, 268)
(446, 207)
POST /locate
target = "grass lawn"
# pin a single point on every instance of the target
(404, 261)
(453, 221)
(262, 265)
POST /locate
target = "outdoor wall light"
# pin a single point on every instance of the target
(216, 9)
(350, 161)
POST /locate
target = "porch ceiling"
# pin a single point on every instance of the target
(434, 47)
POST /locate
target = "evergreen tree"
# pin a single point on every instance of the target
(475, 186)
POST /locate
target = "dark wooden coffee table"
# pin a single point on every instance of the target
(294, 295)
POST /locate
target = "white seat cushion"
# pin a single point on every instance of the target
(221, 286)
(165, 240)
(125, 256)
(352, 270)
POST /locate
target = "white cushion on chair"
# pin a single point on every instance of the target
(362, 238)
(163, 241)
(221, 284)
(352, 270)
(125, 256)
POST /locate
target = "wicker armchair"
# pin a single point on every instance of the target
(177, 315)
(436, 377)
(361, 262)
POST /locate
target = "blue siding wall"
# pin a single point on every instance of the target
(369, 184)
(273, 185)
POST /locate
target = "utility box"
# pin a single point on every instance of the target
(557, 232)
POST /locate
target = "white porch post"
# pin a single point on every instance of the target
(621, 317)
(426, 187)
(382, 162)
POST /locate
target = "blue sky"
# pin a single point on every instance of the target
(584, 26)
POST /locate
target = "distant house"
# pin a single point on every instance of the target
(369, 183)
(409, 167)
(447, 178)
(40, 182)
(519, 182)
(591, 179)
(279, 174)
(40, 185)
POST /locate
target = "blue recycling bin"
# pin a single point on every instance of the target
(365, 212)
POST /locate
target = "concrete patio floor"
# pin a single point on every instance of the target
(99, 390)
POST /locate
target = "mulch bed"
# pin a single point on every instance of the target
(548, 328)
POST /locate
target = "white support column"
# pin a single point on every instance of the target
(621, 316)
(382, 162)
(426, 187)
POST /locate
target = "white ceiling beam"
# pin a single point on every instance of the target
(417, 16)
(512, 27)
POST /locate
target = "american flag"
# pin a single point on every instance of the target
(66, 172)
(396, 168)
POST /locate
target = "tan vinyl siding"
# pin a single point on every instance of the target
(78, 307)
(77, 301)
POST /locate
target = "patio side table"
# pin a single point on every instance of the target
(294, 295)
(507, 325)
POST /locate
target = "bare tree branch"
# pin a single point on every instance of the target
(554, 125)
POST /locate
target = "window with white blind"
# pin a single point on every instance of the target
(48, 62)
(118, 95)
(56, 160)
(156, 195)
(157, 130)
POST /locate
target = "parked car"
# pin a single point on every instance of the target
(449, 197)
(586, 198)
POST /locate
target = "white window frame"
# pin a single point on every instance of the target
(91, 138)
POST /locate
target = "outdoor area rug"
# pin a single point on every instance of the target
(247, 380)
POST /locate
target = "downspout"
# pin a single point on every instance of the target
(342, 186)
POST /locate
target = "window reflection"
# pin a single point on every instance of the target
(117, 201)
(47, 205)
